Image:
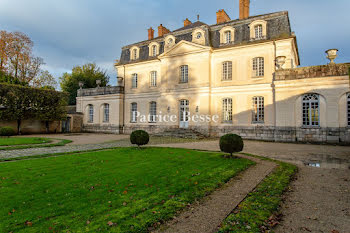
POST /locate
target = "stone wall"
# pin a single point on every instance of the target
(313, 72)
(287, 134)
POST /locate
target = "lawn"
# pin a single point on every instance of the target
(12, 141)
(119, 190)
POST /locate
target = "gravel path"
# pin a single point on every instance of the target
(60, 149)
(207, 216)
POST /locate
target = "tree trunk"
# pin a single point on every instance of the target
(19, 127)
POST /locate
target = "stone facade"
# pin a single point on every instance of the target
(203, 50)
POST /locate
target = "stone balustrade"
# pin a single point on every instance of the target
(101, 91)
(330, 70)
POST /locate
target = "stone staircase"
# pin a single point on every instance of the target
(181, 133)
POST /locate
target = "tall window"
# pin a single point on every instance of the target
(184, 74)
(348, 100)
(91, 113)
(153, 111)
(134, 54)
(134, 81)
(258, 31)
(227, 70)
(228, 37)
(154, 50)
(311, 110)
(106, 113)
(258, 67)
(153, 81)
(258, 109)
(227, 110)
(133, 112)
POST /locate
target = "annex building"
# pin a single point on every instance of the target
(245, 72)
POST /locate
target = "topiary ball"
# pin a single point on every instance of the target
(7, 131)
(231, 143)
(139, 138)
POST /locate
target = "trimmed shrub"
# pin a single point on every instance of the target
(7, 131)
(139, 138)
(231, 143)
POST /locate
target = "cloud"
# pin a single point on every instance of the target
(72, 32)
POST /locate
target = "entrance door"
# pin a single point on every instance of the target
(184, 113)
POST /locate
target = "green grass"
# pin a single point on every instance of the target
(11, 141)
(20, 147)
(128, 188)
(253, 213)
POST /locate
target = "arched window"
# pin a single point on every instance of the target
(133, 113)
(106, 113)
(153, 79)
(227, 110)
(258, 109)
(154, 50)
(228, 37)
(348, 100)
(152, 111)
(258, 67)
(91, 113)
(184, 74)
(258, 31)
(227, 70)
(134, 81)
(311, 110)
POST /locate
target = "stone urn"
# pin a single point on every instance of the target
(280, 61)
(81, 84)
(331, 55)
(98, 82)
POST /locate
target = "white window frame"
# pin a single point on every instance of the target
(154, 50)
(227, 110)
(258, 109)
(91, 113)
(228, 37)
(106, 113)
(184, 74)
(134, 81)
(311, 102)
(258, 67)
(227, 70)
(153, 79)
(153, 111)
(348, 108)
(133, 113)
(258, 30)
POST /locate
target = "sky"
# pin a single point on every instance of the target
(67, 33)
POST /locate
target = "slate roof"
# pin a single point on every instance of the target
(278, 26)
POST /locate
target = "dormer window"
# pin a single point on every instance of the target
(227, 35)
(153, 49)
(169, 42)
(198, 36)
(258, 31)
(134, 53)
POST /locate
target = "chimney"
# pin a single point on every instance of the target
(150, 33)
(222, 17)
(162, 30)
(244, 9)
(187, 22)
